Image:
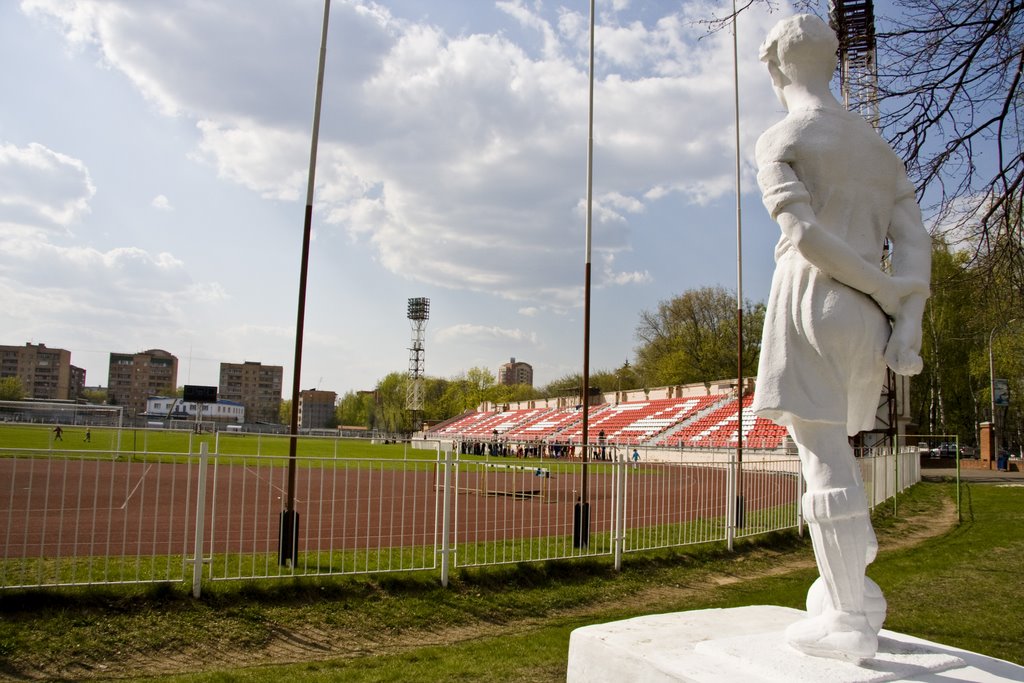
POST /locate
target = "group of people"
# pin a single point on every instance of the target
(58, 434)
(555, 450)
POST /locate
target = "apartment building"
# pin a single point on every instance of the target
(316, 408)
(134, 377)
(45, 373)
(516, 373)
(255, 386)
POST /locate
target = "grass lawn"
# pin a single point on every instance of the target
(512, 623)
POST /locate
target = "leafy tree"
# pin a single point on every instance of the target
(600, 380)
(944, 394)
(355, 409)
(627, 378)
(390, 414)
(95, 396)
(692, 338)
(11, 389)
(284, 412)
(509, 393)
(479, 382)
(467, 391)
(972, 306)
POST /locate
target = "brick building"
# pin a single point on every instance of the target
(45, 373)
(134, 377)
(515, 373)
(255, 386)
(316, 408)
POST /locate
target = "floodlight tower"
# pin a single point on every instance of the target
(854, 24)
(418, 313)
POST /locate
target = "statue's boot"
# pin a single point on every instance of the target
(871, 551)
(838, 522)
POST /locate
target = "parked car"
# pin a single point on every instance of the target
(944, 450)
(969, 452)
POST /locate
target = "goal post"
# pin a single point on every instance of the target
(61, 413)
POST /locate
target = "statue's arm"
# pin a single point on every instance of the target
(912, 253)
(789, 204)
(912, 258)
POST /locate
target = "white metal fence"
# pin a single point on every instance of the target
(75, 518)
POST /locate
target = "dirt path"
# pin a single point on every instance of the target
(294, 643)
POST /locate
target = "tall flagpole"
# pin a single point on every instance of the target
(289, 530)
(581, 520)
(739, 279)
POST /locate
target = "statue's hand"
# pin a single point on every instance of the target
(895, 289)
(888, 299)
(902, 353)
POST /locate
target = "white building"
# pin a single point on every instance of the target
(170, 408)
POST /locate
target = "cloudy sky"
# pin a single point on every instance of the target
(153, 168)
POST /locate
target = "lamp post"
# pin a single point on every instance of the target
(992, 379)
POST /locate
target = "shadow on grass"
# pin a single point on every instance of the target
(307, 590)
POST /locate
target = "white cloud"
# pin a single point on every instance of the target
(125, 281)
(468, 333)
(41, 191)
(161, 203)
(42, 194)
(459, 160)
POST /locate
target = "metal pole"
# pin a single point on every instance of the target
(581, 526)
(446, 518)
(622, 467)
(992, 386)
(730, 505)
(739, 281)
(290, 518)
(197, 556)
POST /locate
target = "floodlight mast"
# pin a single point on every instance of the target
(418, 314)
(854, 24)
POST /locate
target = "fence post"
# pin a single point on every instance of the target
(895, 483)
(446, 497)
(730, 501)
(197, 558)
(800, 500)
(620, 506)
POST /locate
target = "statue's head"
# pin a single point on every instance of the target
(801, 48)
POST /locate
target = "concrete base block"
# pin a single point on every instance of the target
(746, 645)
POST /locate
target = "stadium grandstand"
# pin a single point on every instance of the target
(688, 417)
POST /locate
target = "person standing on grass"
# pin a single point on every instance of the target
(834, 318)
(88, 435)
(58, 433)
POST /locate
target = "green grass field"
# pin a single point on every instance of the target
(107, 441)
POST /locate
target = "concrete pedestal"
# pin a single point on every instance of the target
(745, 645)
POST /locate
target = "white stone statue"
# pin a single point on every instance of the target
(835, 319)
